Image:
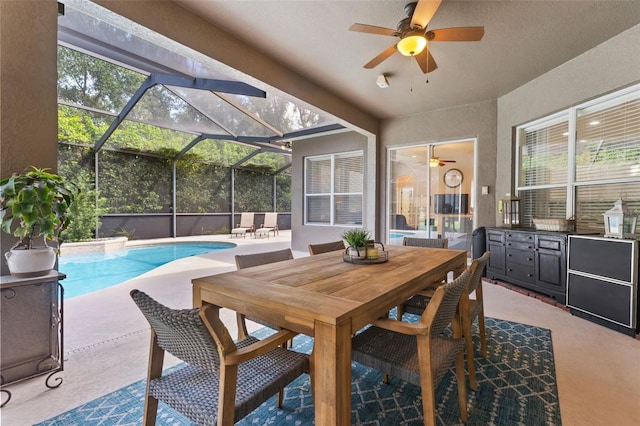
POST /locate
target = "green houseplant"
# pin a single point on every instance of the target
(357, 240)
(34, 204)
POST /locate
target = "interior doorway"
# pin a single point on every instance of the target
(430, 192)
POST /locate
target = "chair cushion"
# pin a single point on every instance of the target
(194, 392)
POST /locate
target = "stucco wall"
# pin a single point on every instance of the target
(301, 234)
(28, 101)
(458, 123)
(612, 65)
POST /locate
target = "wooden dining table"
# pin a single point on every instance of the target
(328, 299)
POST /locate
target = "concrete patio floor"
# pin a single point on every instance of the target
(107, 340)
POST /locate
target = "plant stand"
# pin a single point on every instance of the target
(31, 317)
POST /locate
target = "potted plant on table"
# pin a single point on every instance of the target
(356, 240)
(34, 204)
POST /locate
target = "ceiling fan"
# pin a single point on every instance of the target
(436, 161)
(414, 35)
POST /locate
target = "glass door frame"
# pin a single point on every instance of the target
(429, 215)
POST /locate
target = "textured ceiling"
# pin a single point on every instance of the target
(523, 40)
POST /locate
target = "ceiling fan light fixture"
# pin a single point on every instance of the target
(434, 162)
(412, 45)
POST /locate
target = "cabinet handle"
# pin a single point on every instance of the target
(509, 255)
(509, 269)
(529, 247)
(529, 259)
(529, 275)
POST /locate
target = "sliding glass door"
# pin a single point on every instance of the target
(430, 192)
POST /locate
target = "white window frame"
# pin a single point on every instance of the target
(332, 194)
(571, 114)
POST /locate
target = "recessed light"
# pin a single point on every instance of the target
(594, 123)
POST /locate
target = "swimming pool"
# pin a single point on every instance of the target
(88, 272)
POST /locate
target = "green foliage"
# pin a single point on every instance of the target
(35, 203)
(356, 237)
(132, 183)
(202, 187)
(254, 191)
(85, 211)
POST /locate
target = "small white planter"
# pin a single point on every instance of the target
(31, 263)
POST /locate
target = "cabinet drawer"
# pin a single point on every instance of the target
(497, 237)
(516, 245)
(520, 257)
(520, 272)
(520, 236)
(549, 243)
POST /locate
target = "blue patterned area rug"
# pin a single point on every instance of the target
(516, 386)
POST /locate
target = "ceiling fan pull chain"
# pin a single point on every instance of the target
(427, 73)
(410, 75)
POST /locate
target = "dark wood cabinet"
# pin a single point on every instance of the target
(532, 259)
(495, 244)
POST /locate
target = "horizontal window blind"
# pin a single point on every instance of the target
(594, 200)
(608, 140)
(319, 209)
(544, 203)
(544, 155)
(349, 171)
(318, 175)
(348, 210)
(334, 189)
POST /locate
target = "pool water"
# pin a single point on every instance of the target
(88, 272)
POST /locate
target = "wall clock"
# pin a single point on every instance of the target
(453, 178)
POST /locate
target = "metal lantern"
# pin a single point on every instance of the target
(620, 221)
(510, 208)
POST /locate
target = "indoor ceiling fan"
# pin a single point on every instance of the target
(436, 161)
(414, 35)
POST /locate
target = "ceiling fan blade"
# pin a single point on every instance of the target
(448, 161)
(426, 61)
(372, 29)
(456, 34)
(381, 57)
(425, 9)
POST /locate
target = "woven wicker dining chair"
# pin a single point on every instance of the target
(221, 381)
(472, 308)
(256, 259)
(421, 353)
(416, 305)
(326, 247)
(248, 261)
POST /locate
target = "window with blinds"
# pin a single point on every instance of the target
(543, 203)
(582, 174)
(593, 200)
(544, 153)
(333, 189)
(608, 139)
